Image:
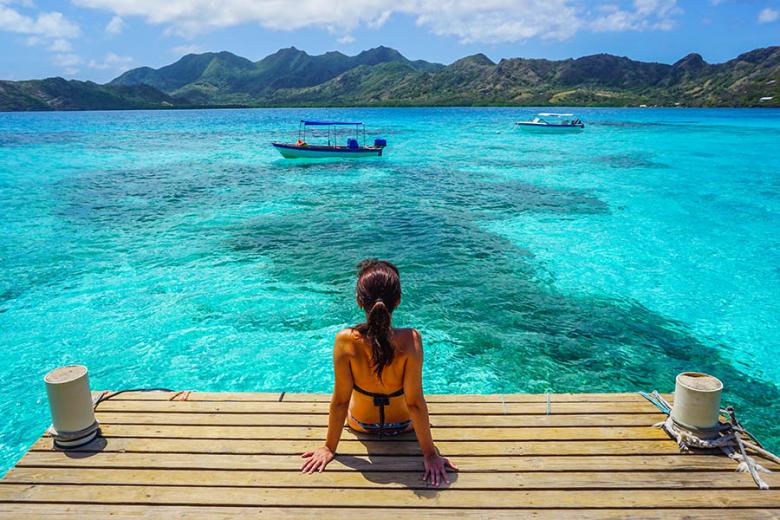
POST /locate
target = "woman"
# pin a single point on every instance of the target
(378, 373)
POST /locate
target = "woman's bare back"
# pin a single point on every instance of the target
(358, 350)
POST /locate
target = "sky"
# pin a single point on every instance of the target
(99, 39)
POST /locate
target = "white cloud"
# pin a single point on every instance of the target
(489, 21)
(641, 15)
(60, 45)
(768, 15)
(113, 62)
(51, 29)
(181, 50)
(24, 3)
(115, 26)
(72, 63)
(346, 39)
(69, 63)
(495, 21)
(380, 20)
(189, 17)
(46, 24)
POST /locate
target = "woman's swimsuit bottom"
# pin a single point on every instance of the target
(388, 429)
(380, 401)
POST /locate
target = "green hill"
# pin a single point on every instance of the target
(384, 77)
(224, 78)
(600, 80)
(61, 94)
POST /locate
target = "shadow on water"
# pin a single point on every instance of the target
(321, 165)
(40, 138)
(480, 291)
(484, 292)
(626, 161)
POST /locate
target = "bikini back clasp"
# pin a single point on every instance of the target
(380, 401)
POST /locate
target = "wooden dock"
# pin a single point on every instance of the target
(226, 455)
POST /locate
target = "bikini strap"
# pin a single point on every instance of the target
(380, 401)
(379, 398)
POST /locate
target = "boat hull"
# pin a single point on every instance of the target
(293, 151)
(536, 127)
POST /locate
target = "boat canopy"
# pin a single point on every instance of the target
(328, 123)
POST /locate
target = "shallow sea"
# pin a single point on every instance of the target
(177, 249)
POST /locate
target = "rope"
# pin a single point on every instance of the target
(174, 396)
(105, 396)
(726, 437)
(185, 393)
(660, 402)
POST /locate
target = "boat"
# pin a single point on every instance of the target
(302, 149)
(547, 121)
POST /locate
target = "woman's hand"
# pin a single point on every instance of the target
(316, 460)
(436, 468)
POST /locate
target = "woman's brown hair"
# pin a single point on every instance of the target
(378, 293)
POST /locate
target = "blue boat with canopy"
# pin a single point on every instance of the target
(352, 147)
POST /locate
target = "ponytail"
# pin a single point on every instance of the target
(378, 293)
(378, 333)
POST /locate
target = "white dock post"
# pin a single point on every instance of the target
(697, 400)
(70, 402)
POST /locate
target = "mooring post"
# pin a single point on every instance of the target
(70, 402)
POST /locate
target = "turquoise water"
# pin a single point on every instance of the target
(178, 249)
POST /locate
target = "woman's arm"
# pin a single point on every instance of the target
(435, 465)
(339, 406)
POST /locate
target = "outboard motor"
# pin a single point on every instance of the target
(352, 143)
(380, 143)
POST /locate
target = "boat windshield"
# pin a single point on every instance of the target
(556, 119)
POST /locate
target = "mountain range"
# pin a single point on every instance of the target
(384, 77)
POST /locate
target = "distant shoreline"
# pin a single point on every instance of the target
(383, 77)
(321, 107)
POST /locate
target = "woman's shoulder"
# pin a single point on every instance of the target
(408, 340)
(346, 339)
(409, 333)
(348, 333)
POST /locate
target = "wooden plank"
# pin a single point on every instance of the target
(437, 421)
(596, 456)
(188, 395)
(494, 398)
(322, 407)
(444, 434)
(405, 479)
(378, 447)
(180, 512)
(325, 397)
(420, 498)
(552, 463)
